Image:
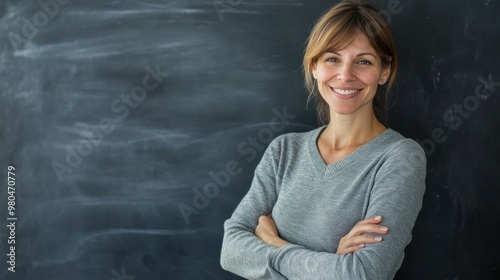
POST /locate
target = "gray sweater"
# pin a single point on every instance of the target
(314, 205)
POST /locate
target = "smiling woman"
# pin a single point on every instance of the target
(340, 201)
(348, 79)
(337, 29)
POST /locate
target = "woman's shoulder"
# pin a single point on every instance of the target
(399, 146)
(397, 140)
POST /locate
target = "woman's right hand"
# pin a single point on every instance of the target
(357, 238)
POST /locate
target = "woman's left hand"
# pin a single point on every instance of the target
(267, 231)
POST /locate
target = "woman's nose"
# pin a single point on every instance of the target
(345, 73)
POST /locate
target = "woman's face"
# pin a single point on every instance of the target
(348, 79)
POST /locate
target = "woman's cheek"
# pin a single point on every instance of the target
(324, 74)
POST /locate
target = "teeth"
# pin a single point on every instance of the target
(346, 92)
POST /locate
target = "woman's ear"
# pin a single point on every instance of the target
(386, 73)
(314, 71)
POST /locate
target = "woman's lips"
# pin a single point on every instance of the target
(345, 93)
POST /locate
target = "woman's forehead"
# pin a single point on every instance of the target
(358, 42)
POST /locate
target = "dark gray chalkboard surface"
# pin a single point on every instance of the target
(134, 128)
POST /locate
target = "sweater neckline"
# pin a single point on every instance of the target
(323, 168)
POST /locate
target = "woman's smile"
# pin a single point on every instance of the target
(345, 93)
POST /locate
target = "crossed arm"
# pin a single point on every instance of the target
(356, 239)
(253, 248)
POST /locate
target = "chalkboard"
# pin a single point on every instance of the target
(131, 130)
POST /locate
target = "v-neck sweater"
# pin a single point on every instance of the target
(315, 204)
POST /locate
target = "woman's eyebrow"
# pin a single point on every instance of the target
(333, 52)
(361, 54)
(367, 53)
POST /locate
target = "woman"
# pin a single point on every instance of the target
(340, 201)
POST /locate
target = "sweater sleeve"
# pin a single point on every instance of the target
(243, 253)
(397, 196)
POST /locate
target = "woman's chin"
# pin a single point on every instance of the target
(343, 111)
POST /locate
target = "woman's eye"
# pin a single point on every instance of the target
(365, 62)
(332, 59)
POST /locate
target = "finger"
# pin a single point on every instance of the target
(371, 220)
(351, 246)
(358, 242)
(350, 250)
(364, 239)
(362, 229)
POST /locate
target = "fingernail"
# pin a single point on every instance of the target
(378, 238)
(378, 218)
(361, 245)
(383, 228)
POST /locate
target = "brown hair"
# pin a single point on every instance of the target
(336, 29)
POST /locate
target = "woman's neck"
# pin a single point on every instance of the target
(345, 131)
